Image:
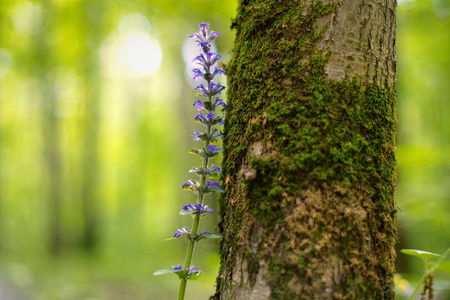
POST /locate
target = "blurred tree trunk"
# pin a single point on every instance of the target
(3, 29)
(89, 190)
(51, 135)
(308, 210)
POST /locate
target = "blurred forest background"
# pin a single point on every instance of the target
(95, 121)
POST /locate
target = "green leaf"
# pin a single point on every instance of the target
(212, 236)
(195, 151)
(203, 137)
(186, 187)
(443, 266)
(195, 277)
(169, 239)
(214, 175)
(217, 191)
(163, 272)
(187, 212)
(419, 253)
(181, 274)
(195, 170)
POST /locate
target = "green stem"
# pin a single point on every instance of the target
(182, 289)
(192, 242)
(191, 247)
(429, 272)
(188, 258)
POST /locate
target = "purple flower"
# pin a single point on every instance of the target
(219, 102)
(192, 184)
(195, 35)
(209, 119)
(205, 45)
(214, 168)
(200, 105)
(218, 71)
(181, 232)
(211, 148)
(211, 184)
(218, 135)
(204, 37)
(195, 134)
(204, 233)
(207, 59)
(202, 90)
(197, 74)
(192, 271)
(215, 89)
(203, 210)
(188, 207)
(199, 117)
(177, 268)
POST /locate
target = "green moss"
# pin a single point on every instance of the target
(333, 139)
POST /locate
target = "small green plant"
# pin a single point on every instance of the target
(427, 278)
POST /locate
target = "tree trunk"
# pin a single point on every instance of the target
(90, 160)
(51, 139)
(309, 167)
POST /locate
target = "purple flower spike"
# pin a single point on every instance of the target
(208, 115)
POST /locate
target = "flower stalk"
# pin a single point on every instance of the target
(207, 61)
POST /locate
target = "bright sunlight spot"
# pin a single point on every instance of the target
(134, 52)
(27, 18)
(142, 54)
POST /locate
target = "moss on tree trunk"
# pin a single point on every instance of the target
(308, 210)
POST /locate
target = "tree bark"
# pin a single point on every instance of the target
(309, 164)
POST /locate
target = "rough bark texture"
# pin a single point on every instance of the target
(309, 167)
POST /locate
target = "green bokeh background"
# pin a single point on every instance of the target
(81, 82)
